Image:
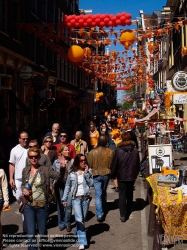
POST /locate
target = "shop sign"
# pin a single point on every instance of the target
(179, 81)
(180, 98)
(25, 72)
(38, 83)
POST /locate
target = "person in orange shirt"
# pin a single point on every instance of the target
(93, 136)
(131, 122)
(120, 121)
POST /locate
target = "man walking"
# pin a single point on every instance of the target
(18, 156)
(80, 145)
(100, 160)
(54, 133)
(64, 141)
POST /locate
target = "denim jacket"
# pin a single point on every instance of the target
(72, 184)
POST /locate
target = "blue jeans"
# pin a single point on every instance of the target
(64, 213)
(80, 207)
(33, 215)
(100, 186)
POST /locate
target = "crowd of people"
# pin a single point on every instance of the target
(64, 167)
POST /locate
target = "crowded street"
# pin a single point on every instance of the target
(93, 124)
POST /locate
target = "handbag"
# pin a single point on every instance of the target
(24, 200)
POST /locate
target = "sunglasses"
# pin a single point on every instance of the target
(63, 136)
(33, 146)
(49, 141)
(24, 139)
(82, 160)
(33, 156)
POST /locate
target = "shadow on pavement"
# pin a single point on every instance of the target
(52, 221)
(89, 216)
(139, 204)
(11, 237)
(95, 230)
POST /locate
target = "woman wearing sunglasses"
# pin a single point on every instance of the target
(36, 209)
(48, 148)
(78, 184)
(64, 160)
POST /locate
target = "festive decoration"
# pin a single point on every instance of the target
(100, 20)
(75, 53)
(127, 38)
(98, 96)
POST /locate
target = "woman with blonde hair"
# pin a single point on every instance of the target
(48, 148)
(37, 196)
(64, 161)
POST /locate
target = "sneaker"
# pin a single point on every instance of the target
(100, 218)
(81, 247)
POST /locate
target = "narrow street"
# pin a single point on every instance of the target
(109, 235)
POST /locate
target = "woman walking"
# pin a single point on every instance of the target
(48, 148)
(78, 183)
(37, 196)
(64, 214)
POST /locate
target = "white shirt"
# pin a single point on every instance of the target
(18, 156)
(80, 189)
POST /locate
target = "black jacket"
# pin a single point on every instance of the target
(126, 162)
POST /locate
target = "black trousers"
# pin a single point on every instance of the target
(125, 196)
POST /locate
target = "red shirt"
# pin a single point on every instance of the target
(71, 149)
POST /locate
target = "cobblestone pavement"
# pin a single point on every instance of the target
(109, 235)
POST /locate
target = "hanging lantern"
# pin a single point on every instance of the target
(127, 38)
(75, 53)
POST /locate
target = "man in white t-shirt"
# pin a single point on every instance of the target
(18, 156)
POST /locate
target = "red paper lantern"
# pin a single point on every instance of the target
(102, 24)
(128, 22)
(81, 22)
(110, 23)
(97, 21)
(89, 21)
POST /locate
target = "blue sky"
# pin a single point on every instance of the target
(113, 7)
(132, 7)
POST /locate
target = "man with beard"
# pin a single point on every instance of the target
(54, 133)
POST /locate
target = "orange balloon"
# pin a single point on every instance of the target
(75, 53)
(127, 36)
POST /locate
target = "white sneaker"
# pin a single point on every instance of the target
(81, 247)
